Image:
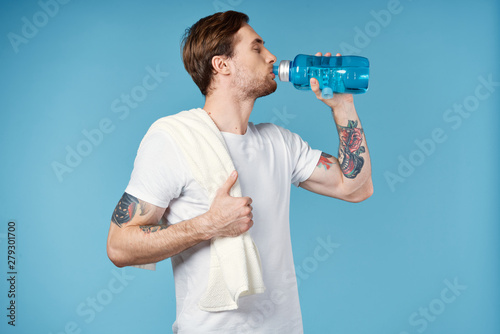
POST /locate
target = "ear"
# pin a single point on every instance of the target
(220, 65)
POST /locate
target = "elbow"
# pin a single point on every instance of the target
(364, 196)
(369, 191)
(361, 194)
(115, 256)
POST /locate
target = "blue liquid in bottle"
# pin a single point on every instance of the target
(343, 74)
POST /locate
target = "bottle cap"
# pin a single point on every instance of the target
(284, 70)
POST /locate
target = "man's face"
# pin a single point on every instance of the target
(252, 65)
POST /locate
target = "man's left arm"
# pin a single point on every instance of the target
(347, 177)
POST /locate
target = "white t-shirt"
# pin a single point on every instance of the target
(268, 159)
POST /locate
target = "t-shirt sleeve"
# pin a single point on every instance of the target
(303, 158)
(159, 173)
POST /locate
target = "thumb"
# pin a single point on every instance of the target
(231, 180)
(315, 87)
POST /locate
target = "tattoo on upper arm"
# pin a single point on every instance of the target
(351, 138)
(126, 209)
(324, 162)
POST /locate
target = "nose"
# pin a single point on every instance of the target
(272, 58)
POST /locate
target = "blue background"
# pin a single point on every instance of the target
(438, 222)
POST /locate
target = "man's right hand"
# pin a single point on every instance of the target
(229, 216)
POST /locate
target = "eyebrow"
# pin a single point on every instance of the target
(258, 41)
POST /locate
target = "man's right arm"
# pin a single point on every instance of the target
(137, 234)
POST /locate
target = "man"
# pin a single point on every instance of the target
(164, 213)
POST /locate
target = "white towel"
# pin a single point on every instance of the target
(235, 268)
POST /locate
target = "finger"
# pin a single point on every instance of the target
(315, 87)
(231, 180)
(318, 54)
(328, 54)
(338, 54)
(249, 223)
(248, 201)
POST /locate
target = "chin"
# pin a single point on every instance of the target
(269, 90)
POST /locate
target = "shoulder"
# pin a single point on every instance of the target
(162, 126)
(269, 129)
(159, 162)
(156, 135)
(161, 123)
(160, 136)
(276, 132)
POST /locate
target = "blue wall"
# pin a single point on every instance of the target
(421, 255)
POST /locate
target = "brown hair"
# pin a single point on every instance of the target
(211, 36)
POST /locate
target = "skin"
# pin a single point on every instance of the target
(137, 234)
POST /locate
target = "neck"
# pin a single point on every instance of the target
(229, 113)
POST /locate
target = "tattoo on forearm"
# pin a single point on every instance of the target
(324, 162)
(152, 228)
(126, 208)
(351, 138)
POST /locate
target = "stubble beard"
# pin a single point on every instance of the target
(253, 87)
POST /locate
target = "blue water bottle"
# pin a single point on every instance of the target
(339, 74)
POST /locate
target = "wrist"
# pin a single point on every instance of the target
(205, 224)
(343, 110)
(339, 100)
